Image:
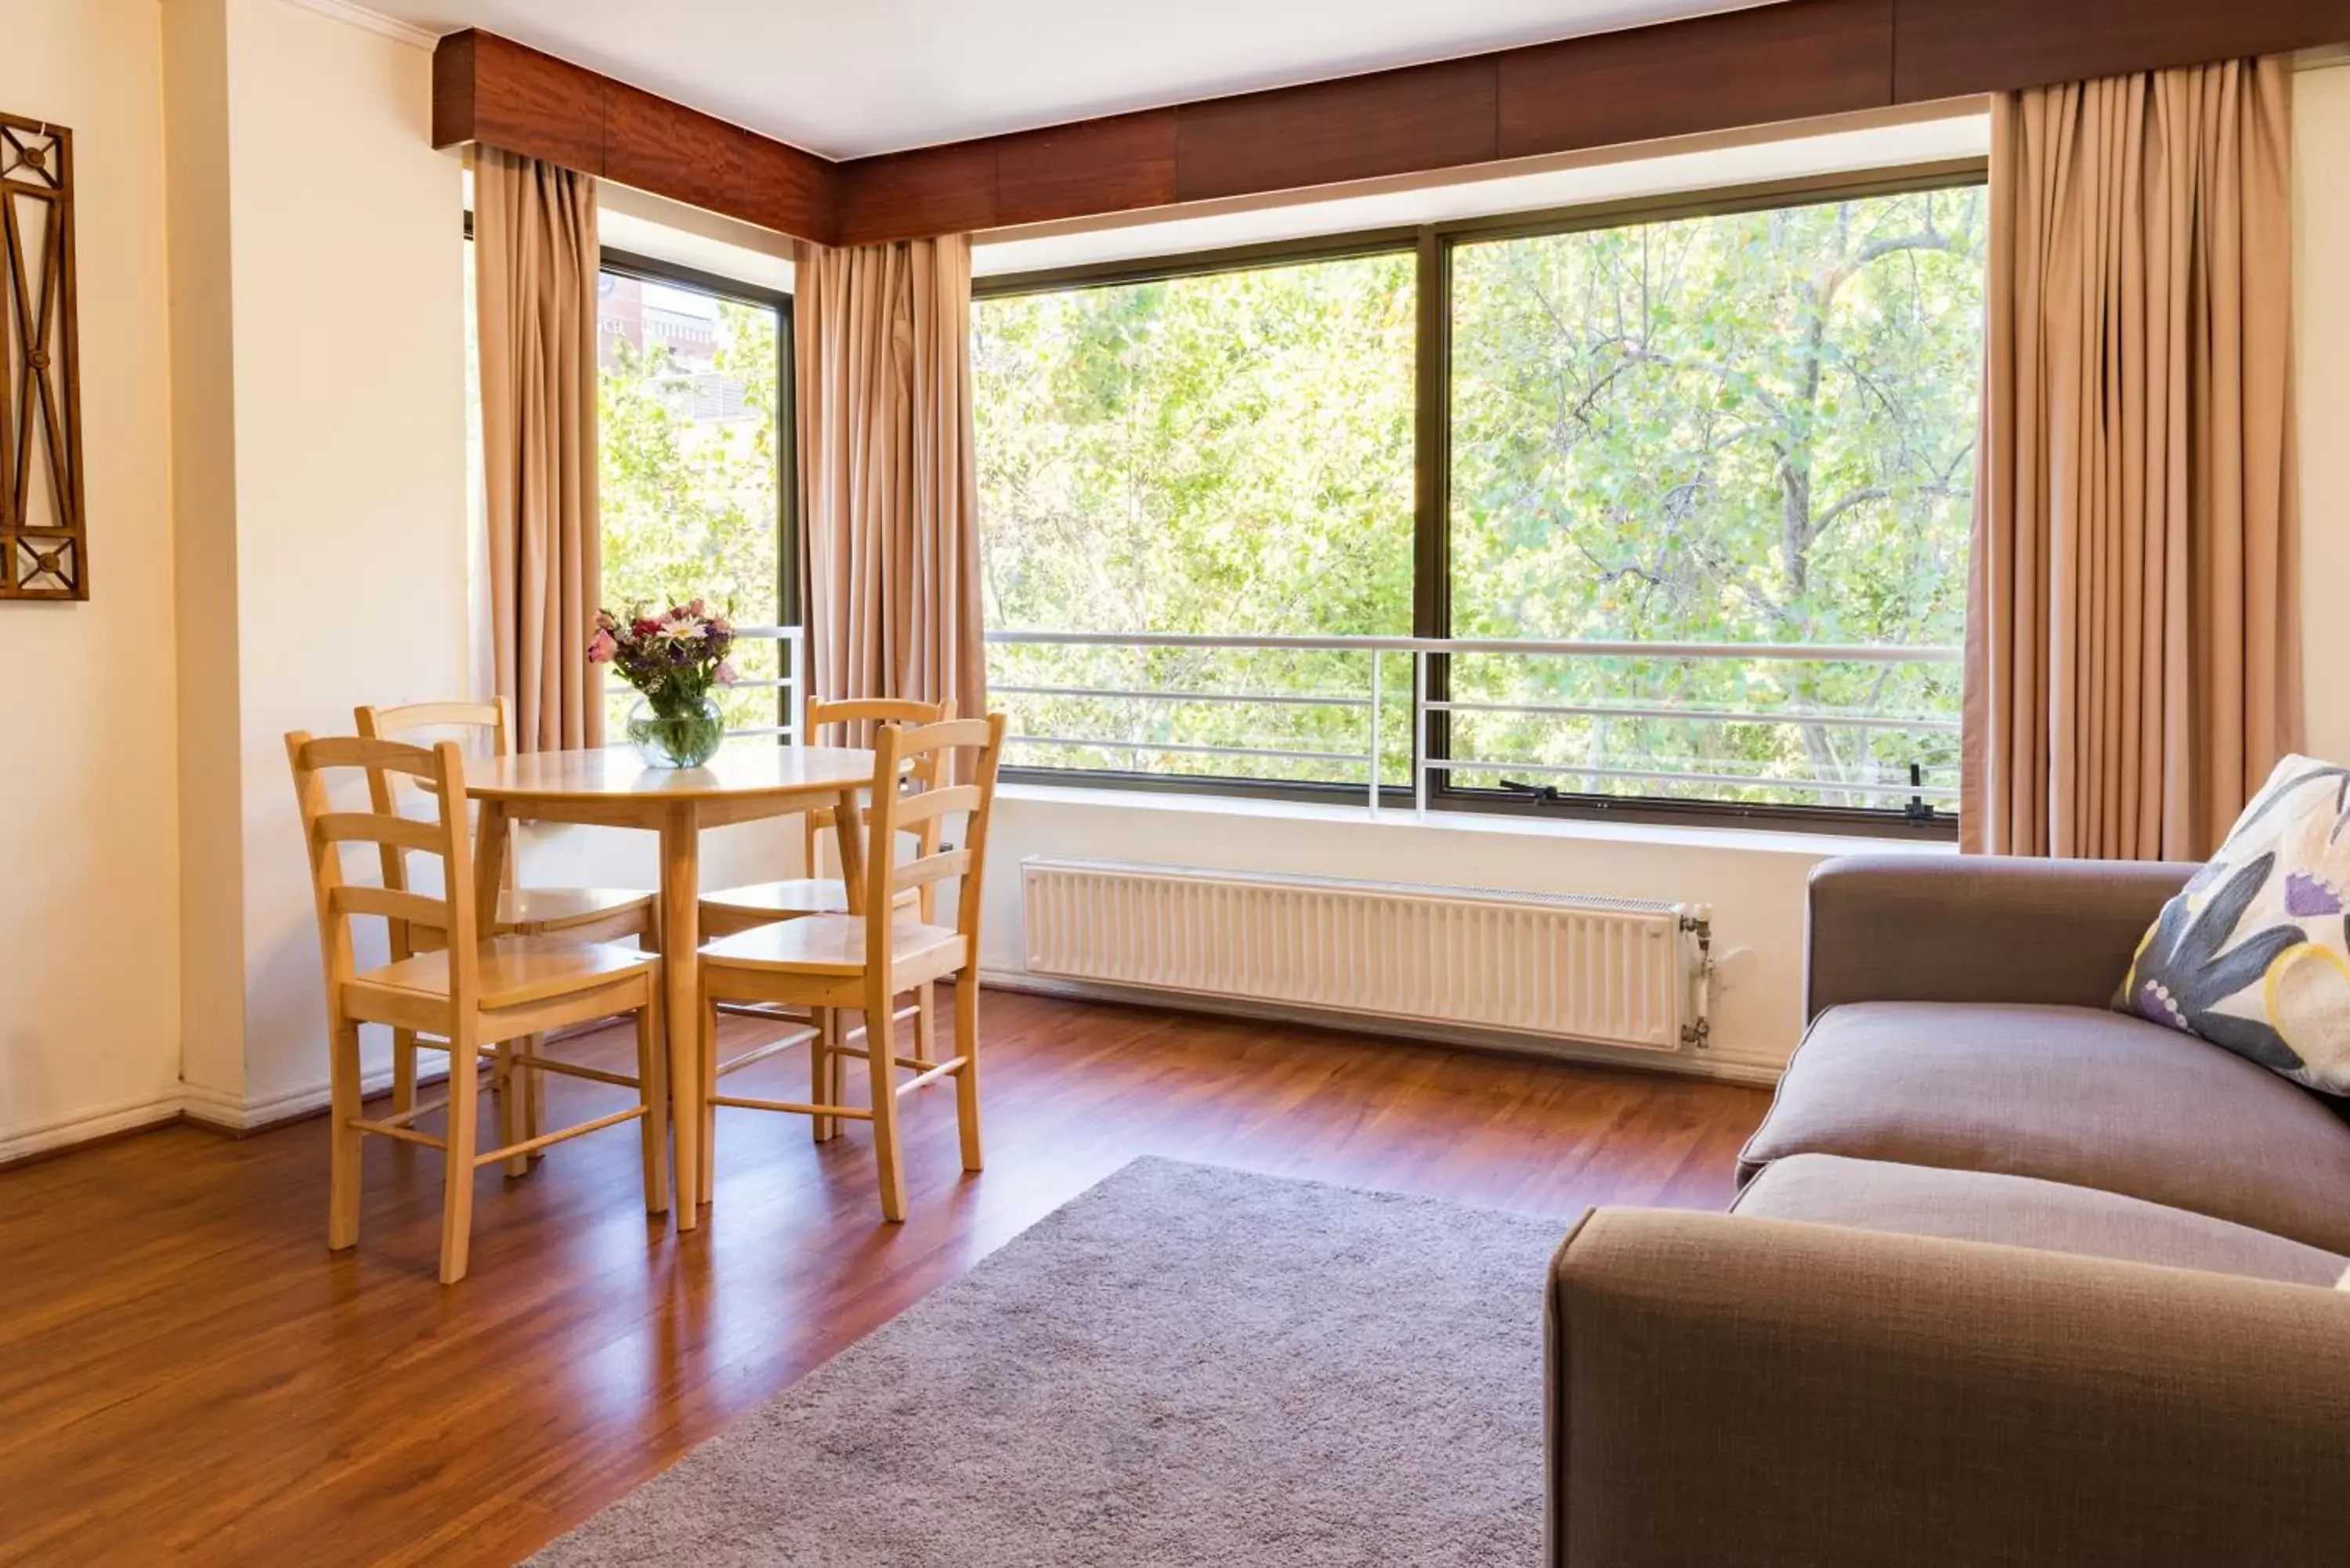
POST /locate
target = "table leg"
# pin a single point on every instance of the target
(490, 840)
(847, 823)
(681, 939)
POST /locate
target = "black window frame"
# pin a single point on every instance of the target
(1432, 245)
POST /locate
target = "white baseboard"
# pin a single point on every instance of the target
(83, 1126)
(215, 1108)
(232, 1113)
(1690, 1063)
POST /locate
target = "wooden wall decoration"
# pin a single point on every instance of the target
(44, 548)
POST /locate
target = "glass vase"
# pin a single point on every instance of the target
(676, 735)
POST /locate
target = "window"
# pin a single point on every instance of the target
(693, 379)
(1708, 468)
(695, 480)
(1226, 451)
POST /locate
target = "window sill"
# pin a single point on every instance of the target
(1746, 840)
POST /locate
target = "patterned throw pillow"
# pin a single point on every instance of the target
(2254, 953)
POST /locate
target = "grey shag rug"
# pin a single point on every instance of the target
(1183, 1365)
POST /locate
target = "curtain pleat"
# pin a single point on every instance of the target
(536, 261)
(888, 481)
(2132, 644)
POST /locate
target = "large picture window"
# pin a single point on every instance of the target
(1705, 468)
(1227, 451)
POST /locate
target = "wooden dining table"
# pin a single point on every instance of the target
(746, 781)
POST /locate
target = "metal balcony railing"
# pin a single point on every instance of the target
(1605, 726)
(1598, 721)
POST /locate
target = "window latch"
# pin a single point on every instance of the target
(1548, 794)
(1918, 811)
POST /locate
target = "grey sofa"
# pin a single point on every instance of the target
(2010, 1279)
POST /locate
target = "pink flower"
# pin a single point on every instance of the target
(725, 674)
(601, 647)
(696, 610)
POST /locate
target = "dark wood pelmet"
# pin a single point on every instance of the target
(1794, 60)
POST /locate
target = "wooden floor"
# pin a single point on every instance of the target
(187, 1376)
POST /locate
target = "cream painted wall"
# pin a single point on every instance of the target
(2322, 346)
(204, 554)
(89, 966)
(351, 513)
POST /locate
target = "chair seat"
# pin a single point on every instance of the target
(789, 899)
(538, 911)
(545, 911)
(835, 945)
(515, 970)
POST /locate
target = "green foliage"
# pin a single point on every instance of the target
(1228, 453)
(690, 506)
(1754, 427)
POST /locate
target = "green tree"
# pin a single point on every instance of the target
(1750, 428)
(688, 488)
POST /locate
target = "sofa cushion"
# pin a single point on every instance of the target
(2253, 954)
(2066, 1094)
(2020, 1211)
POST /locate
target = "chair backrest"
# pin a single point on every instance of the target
(918, 754)
(441, 771)
(490, 727)
(872, 713)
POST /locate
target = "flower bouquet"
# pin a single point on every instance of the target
(673, 660)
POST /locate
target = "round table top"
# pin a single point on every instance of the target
(741, 767)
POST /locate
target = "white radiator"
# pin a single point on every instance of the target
(1615, 971)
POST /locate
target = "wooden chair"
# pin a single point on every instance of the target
(584, 914)
(867, 961)
(733, 909)
(470, 992)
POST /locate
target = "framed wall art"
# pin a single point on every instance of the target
(43, 545)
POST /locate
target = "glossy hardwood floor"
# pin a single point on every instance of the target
(187, 1376)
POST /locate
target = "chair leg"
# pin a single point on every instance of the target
(881, 1049)
(653, 1080)
(457, 1159)
(966, 1043)
(926, 1023)
(513, 1079)
(705, 1180)
(534, 1098)
(343, 1142)
(822, 1085)
(403, 1071)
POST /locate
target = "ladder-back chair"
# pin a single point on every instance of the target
(585, 914)
(470, 992)
(865, 962)
(733, 909)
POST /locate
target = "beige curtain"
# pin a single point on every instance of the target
(2132, 650)
(889, 485)
(537, 260)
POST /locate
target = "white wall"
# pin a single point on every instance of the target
(89, 924)
(350, 459)
(276, 448)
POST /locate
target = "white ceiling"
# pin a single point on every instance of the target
(847, 77)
